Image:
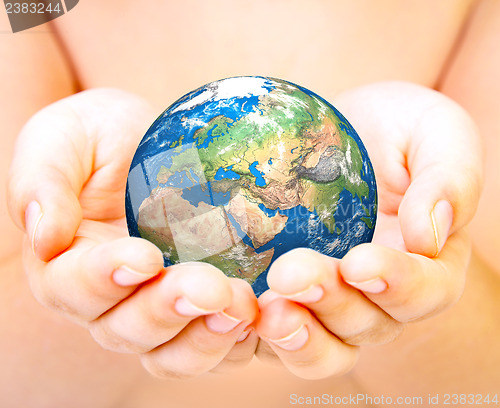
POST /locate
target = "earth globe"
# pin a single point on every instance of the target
(244, 169)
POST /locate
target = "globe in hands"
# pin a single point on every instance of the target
(244, 169)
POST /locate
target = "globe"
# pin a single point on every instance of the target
(244, 169)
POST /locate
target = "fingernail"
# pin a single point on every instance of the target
(221, 322)
(375, 285)
(442, 218)
(33, 216)
(184, 307)
(310, 295)
(293, 341)
(243, 335)
(125, 276)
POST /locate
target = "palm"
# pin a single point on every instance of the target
(391, 187)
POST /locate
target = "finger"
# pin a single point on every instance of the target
(313, 279)
(160, 310)
(206, 341)
(408, 286)
(240, 354)
(304, 346)
(56, 153)
(445, 166)
(89, 278)
(266, 354)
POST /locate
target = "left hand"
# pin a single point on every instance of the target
(66, 190)
(427, 159)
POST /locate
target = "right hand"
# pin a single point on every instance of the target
(425, 151)
(66, 190)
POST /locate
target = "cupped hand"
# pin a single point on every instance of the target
(426, 155)
(66, 190)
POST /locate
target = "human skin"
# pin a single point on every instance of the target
(428, 74)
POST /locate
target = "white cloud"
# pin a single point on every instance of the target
(227, 88)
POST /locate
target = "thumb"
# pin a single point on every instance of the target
(444, 162)
(45, 178)
(64, 153)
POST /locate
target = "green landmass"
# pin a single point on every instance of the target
(286, 119)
